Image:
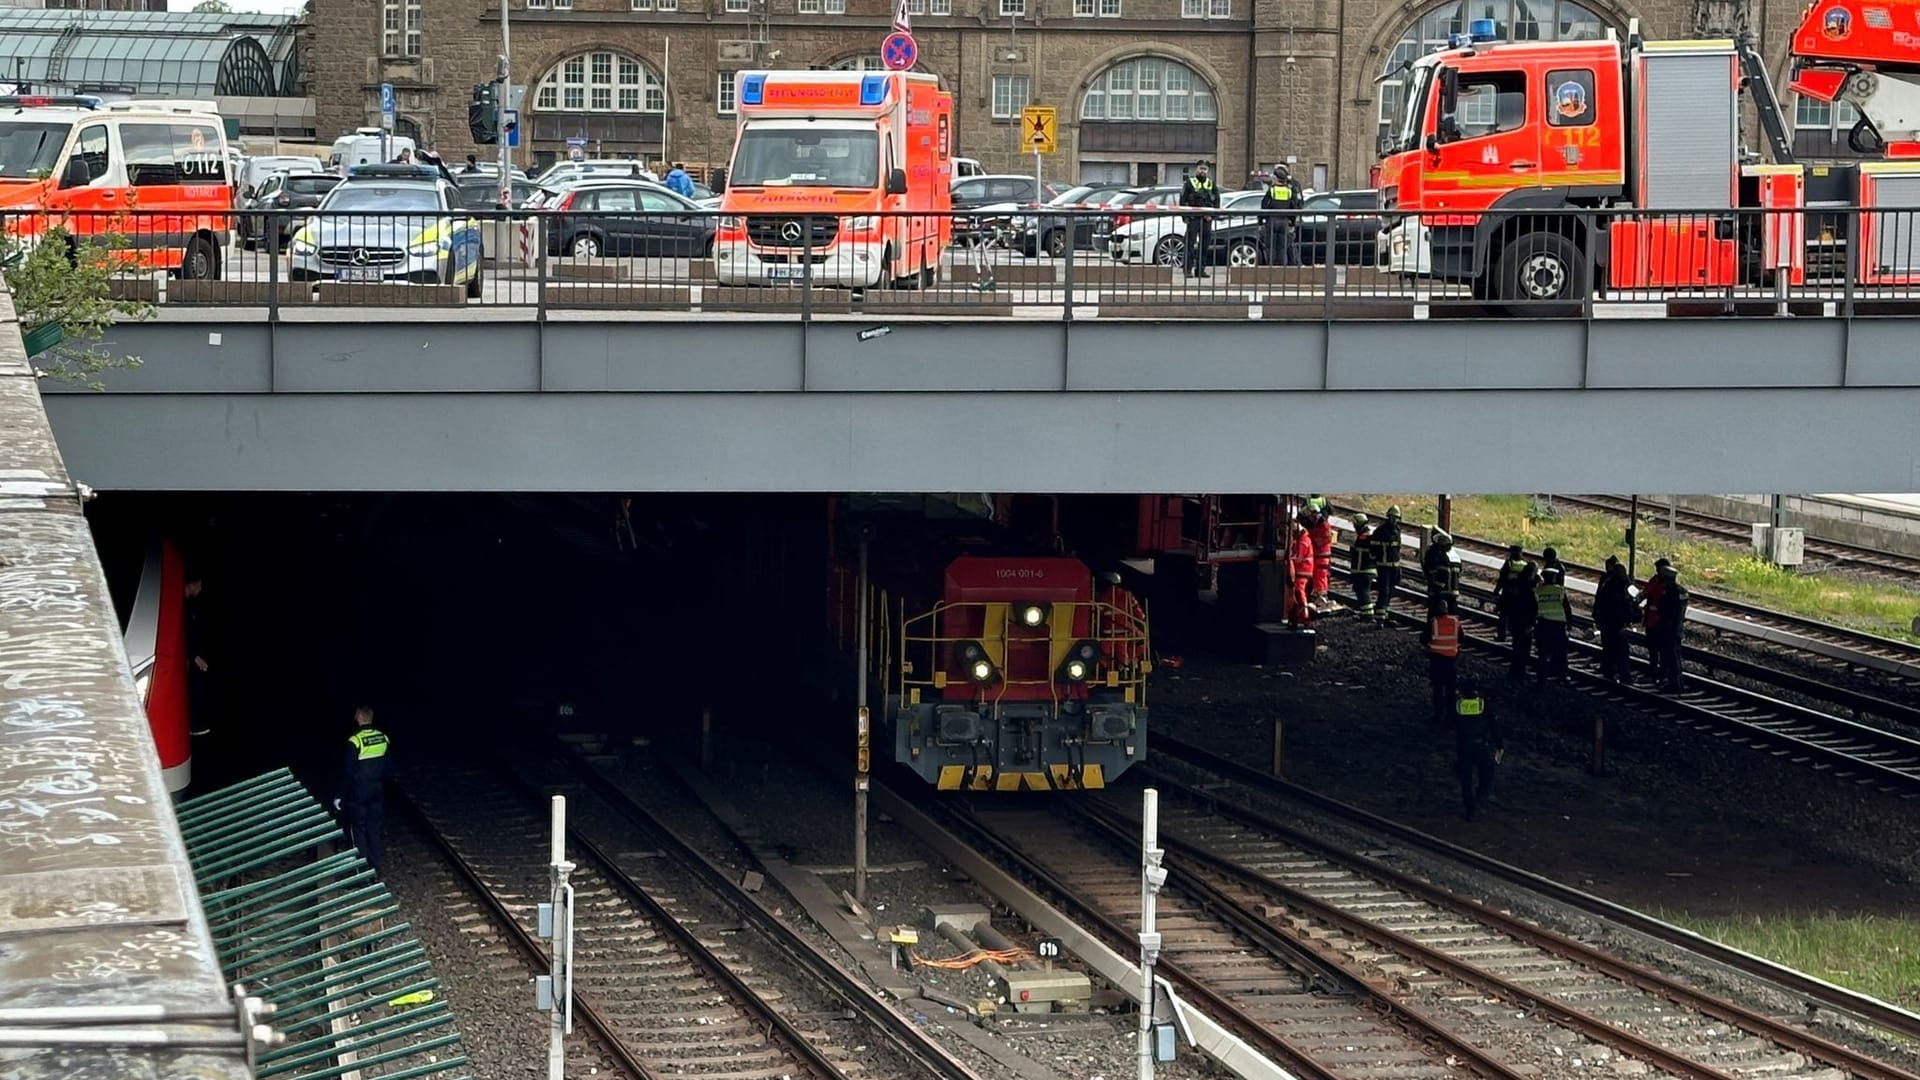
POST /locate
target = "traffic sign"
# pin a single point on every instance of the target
(1039, 131)
(511, 120)
(899, 51)
(386, 105)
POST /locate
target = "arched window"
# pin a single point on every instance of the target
(1150, 89)
(409, 128)
(858, 63)
(1513, 20)
(600, 82)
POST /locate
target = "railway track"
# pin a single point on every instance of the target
(1860, 753)
(1281, 996)
(1903, 569)
(1816, 994)
(1824, 644)
(1374, 919)
(662, 982)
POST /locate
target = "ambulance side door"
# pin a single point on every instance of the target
(1488, 144)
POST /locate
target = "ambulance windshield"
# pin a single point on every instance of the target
(31, 151)
(806, 157)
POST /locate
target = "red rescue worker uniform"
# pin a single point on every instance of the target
(1321, 532)
(1443, 661)
(1299, 577)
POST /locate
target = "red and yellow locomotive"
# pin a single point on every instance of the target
(1027, 673)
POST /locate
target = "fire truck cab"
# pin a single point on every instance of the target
(1499, 145)
(840, 178)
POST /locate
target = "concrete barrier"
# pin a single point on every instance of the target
(588, 270)
(748, 298)
(619, 296)
(237, 293)
(355, 294)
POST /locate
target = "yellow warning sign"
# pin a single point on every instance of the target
(1039, 134)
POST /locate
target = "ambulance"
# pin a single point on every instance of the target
(851, 171)
(154, 172)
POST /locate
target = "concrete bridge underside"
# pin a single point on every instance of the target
(398, 402)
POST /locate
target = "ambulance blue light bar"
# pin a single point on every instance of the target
(873, 90)
(752, 89)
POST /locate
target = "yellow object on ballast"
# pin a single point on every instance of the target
(418, 997)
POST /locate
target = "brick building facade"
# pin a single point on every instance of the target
(1142, 86)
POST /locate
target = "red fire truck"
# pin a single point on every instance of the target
(1499, 145)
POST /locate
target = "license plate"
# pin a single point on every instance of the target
(361, 273)
(780, 272)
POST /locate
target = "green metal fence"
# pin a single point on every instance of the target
(316, 935)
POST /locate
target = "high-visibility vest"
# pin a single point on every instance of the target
(1280, 193)
(1553, 602)
(1445, 637)
(1470, 706)
(1514, 566)
(369, 743)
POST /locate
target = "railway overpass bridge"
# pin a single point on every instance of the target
(919, 397)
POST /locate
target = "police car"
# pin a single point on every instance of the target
(390, 223)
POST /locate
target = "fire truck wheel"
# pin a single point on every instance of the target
(1539, 267)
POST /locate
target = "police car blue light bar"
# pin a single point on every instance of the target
(873, 90)
(394, 171)
(752, 89)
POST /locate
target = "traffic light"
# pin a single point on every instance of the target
(483, 113)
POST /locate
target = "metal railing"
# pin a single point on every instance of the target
(1037, 263)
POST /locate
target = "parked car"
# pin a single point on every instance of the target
(1070, 225)
(1140, 205)
(627, 219)
(255, 170)
(996, 199)
(1162, 238)
(480, 190)
(1404, 248)
(277, 202)
(1351, 218)
(389, 223)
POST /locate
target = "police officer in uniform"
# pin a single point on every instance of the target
(1477, 746)
(1550, 625)
(1281, 196)
(363, 779)
(1386, 546)
(1198, 193)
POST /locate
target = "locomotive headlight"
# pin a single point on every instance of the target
(1077, 669)
(1079, 662)
(982, 671)
(1033, 615)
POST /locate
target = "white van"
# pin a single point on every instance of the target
(366, 146)
(966, 166)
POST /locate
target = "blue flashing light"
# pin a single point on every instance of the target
(873, 89)
(753, 89)
(1482, 30)
(1458, 41)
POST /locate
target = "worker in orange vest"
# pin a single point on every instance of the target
(1321, 530)
(1443, 661)
(1299, 572)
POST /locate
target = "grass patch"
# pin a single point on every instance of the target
(1587, 537)
(1872, 954)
